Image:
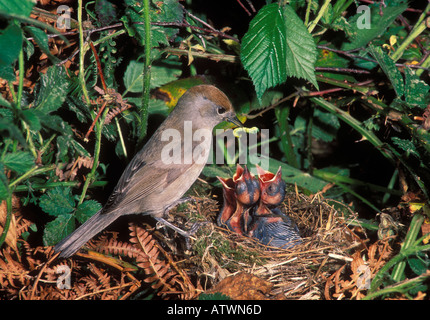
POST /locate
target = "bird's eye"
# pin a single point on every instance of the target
(220, 110)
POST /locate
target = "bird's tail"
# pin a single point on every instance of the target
(72, 243)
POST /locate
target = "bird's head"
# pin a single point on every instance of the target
(247, 187)
(272, 186)
(208, 106)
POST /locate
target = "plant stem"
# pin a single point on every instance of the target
(308, 11)
(309, 142)
(146, 73)
(335, 178)
(51, 185)
(419, 27)
(401, 287)
(410, 238)
(425, 64)
(82, 55)
(8, 218)
(32, 172)
(21, 78)
(90, 177)
(287, 144)
(354, 123)
(377, 280)
(322, 11)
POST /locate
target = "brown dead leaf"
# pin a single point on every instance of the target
(243, 286)
(12, 236)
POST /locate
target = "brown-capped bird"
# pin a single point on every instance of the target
(153, 182)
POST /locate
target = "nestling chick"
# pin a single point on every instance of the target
(247, 192)
(275, 230)
(152, 183)
(272, 190)
(269, 224)
(229, 203)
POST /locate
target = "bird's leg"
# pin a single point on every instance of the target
(177, 202)
(177, 229)
(194, 228)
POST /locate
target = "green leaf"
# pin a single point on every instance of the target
(160, 11)
(20, 7)
(13, 130)
(360, 36)
(52, 90)
(416, 90)
(86, 210)
(58, 201)
(406, 145)
(106, 12)
(277, 45)
(58, 229)
(301, 48)
(325, 125)
(418, 265)
(161, 73)
(41, 39)
(389, 67)
(293, 176)
(10, 38)
(213, 296)
(4, 190)
(19, 162)
(31, 117)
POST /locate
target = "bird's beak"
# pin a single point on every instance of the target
(233, 119)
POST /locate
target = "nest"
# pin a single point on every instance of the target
(216, 261)
(242, 268)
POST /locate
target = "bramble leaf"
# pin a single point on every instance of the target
(277, 45)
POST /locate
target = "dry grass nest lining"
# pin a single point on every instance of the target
(299, 272)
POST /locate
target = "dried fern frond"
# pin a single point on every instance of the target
(159, 273)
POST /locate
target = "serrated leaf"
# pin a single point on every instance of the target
(389, 67)
(381, 18)
(86, 210)
(58, 229)
(58, 201)
(418, 266)
(53, 89)
(301, 48)
(277, 45)
(416, 90)
(19, 162)
(406, 145)
(160, 11)
(13, 130)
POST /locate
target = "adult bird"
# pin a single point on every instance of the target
(165, 168)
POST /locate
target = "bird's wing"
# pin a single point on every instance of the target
(141, 179)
